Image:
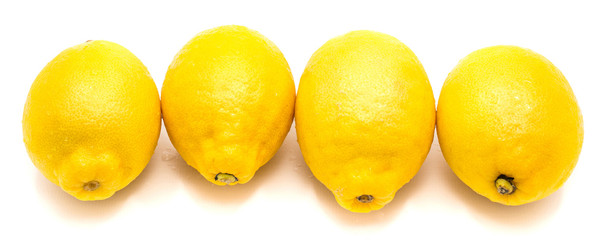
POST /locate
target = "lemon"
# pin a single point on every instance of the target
(92, 119)
(509, 125)
(228, 103)
(365, 117)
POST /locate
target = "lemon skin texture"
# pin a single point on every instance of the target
(509, 125)
(92, 119)
(228, 103)
(365, 117)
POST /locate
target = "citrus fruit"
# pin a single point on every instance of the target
(92, 119)
(509, 125)
(365, 117)
(228, 103)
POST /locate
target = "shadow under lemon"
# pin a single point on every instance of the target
(379, 217)
(498, 215)
(70, 208)
(375, 218)
(149, 185)
(227, 197)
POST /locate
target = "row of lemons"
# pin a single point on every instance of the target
(508, 122)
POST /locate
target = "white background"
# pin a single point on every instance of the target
(171, 200)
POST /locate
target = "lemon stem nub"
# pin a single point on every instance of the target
(91, 185)
(225, 178)
(365, 198)
(505, 185)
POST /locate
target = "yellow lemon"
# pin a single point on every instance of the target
(228, 103)
(92, 119)
(509, 125)
(365, 117)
